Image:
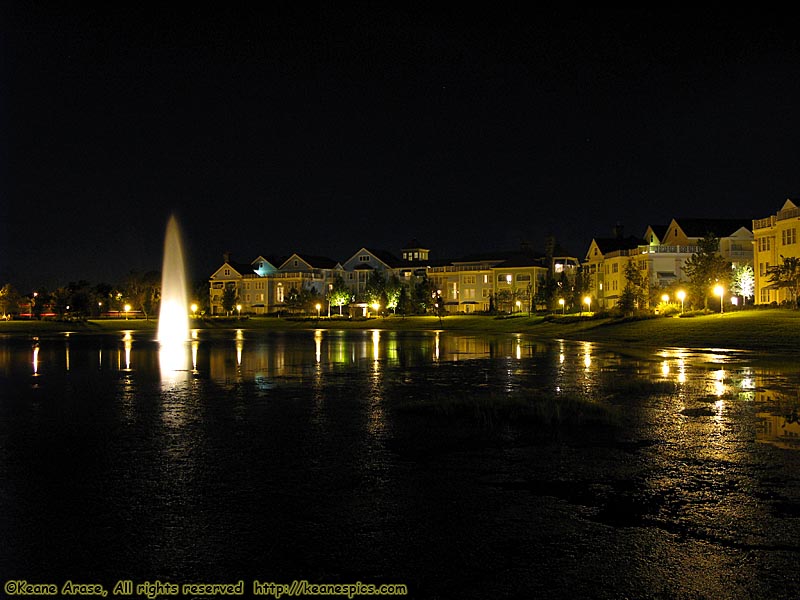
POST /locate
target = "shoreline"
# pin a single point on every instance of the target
(772, 330)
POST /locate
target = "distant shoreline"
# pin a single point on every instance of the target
(773, 330)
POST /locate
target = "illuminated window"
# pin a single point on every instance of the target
(279, 293)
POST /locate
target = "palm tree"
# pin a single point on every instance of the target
(787, 275)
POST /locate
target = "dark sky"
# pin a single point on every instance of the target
(315, 130)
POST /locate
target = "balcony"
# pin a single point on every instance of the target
(789, 213)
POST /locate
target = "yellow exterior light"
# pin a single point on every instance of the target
(720, 291)
(681, 296)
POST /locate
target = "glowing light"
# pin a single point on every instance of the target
(681, 296)
(239, 346)
(376, 339)
(127, 341)
(720, 291)
(318, 344)
(35, 359)
(561, 302)
(127, 310)
(173, 319)
(665, 298)
(194, 310)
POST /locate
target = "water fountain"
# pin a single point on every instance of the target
(173, 319)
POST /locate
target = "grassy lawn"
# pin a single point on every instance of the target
(776, 330)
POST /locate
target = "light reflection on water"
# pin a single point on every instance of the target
(506, 362)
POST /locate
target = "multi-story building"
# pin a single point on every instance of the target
(774, 238)
(661, 254)
(512, 279)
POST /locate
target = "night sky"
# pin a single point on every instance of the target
(321, 131)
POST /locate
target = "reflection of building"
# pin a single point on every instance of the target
(775, 237)
(661, 254)
(778, 430)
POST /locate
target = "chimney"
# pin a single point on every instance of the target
(226, 256)
(618, 231)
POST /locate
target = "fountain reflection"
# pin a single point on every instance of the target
(127, 341)
(35, 357)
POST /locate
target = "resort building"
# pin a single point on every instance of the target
(512, 280)
(774, 238)
(661, 254)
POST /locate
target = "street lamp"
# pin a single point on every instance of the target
(318, 307)
(681, 296)
(588, 301)
(519, 305)
(561, 302)
(665, 298)
(719, 291)
(239, 311)
(127, 308)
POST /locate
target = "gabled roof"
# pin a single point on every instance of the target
(387, 258)
(273, 261)
(311, 261)
(658, 230)
(719, 227)
(240, 269)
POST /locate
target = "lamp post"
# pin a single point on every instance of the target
(561, 302)
(519, 306)
(194, 310)
(127, 310)
(681, 296)
(239, 311)
(588, 301)
(720, 291)
(318, 307)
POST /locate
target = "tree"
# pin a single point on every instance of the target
(634, 294)
(743, 281)
(422, 295)
(144, 291)
(787, 275)
(392, 291)
(583, 286)
(9, 298)
(706, 267)
(339, 294)
(229, 298)
(375, 290)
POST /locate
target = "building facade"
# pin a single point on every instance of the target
(510, 279)
(774, 238)
(660, 255)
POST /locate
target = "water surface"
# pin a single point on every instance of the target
(281, 456)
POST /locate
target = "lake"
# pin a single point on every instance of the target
(322, 456)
